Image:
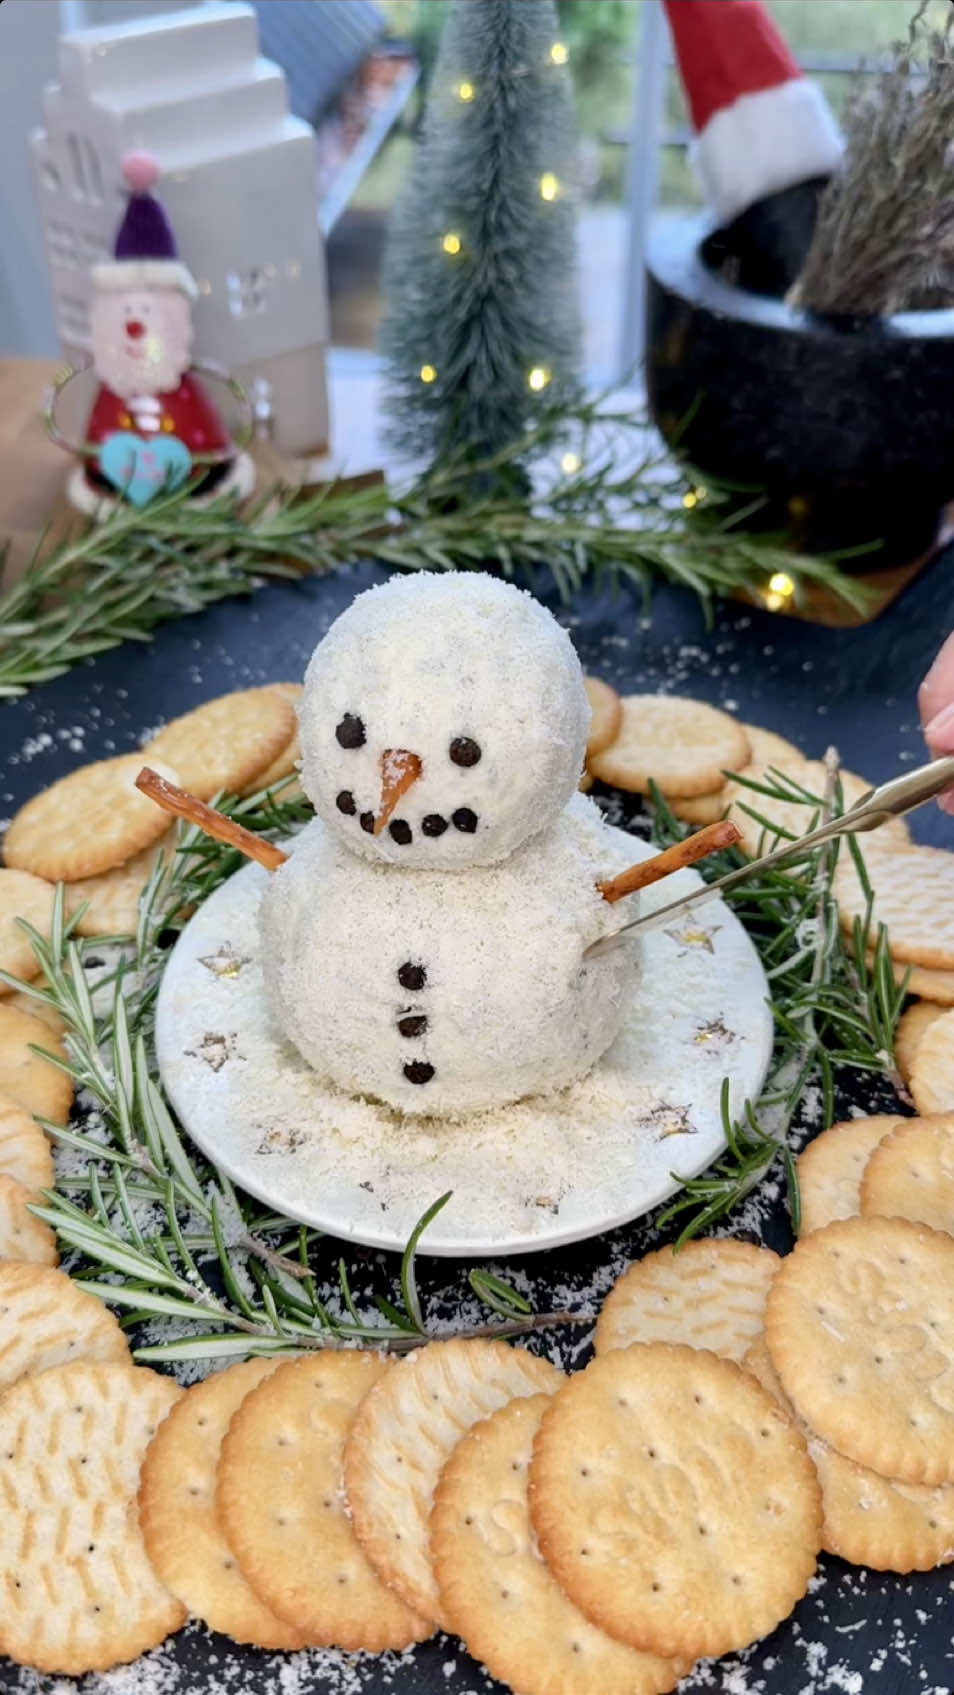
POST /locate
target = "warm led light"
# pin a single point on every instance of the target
(450, 242)
(570, 463)
(428, 374)
(538, 377)
(781, 584)
(559, 53)
(465, 91)
(690, 499)
(549, 186)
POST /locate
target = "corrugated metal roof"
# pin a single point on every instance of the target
(319, 44)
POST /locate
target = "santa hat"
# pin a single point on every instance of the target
(760, 125)
(146, 255)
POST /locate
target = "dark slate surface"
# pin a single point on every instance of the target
(856, 1631)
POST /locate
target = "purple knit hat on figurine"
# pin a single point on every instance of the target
(146, 255)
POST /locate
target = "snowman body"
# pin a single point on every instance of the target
(449, 992)
(426, 942)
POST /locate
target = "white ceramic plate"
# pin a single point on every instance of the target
(550, 1170)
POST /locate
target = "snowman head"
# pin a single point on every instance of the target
(141, 338)
(444, 721)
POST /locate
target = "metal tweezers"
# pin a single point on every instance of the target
(891, 800)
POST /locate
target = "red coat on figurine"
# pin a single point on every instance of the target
(152, 421)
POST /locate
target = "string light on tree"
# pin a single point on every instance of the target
(780, 591)
(538, 377)
(465, 92)
(694, 497)
(549, 186)
(570, 463)
(559, 53)
(428, 374)
(451, 242)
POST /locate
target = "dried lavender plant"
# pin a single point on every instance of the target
(884, 240)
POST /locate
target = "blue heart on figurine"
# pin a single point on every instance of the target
(142, 467)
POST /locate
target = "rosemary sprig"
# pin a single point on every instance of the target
(620, 513)
(834, 999)
(161, 1234)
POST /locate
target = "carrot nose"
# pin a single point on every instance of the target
(399, 769)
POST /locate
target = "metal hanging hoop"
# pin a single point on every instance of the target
(89, 449)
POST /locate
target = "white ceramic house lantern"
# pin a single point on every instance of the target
(239, 184)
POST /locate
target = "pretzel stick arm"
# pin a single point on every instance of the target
(181, 805)
(710, 840)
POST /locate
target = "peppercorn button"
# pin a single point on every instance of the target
(411, 976)
(465, 820)
(345, 802)
(413, 1025)
(418, 1071)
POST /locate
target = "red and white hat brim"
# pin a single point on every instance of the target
(765, 142)
(144, 273)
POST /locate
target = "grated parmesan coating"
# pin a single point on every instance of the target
(501, 1001)
(425, 661)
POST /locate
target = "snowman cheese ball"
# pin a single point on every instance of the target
(424, 943)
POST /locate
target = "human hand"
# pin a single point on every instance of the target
(936, 703)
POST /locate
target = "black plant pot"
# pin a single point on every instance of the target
(846, 425)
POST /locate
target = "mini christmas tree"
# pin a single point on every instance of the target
(482, 322)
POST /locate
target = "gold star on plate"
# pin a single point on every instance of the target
(214, 1050)
(279, 1141)
(713, 1034)
(690, 938)
(225, 963)
(671, 1121)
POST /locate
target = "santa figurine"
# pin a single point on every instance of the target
(153, 427)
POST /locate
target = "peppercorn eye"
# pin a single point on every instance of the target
(464, 751)
(350, 732)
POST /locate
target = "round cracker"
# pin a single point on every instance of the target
(226, 742)
(911, 1174)
(830, 1168)
(496, 1592)
(283, 1509)
(769, 748)
(932, 1070)
(699, 809)
(32, 1080)
(683, 746)
(47, 1320)
(288, 758)
(913, 896)
(79, 1592)
(869, 1520)
(917, 1018)
(860, 1327)
(606, 715)
(35, 1007)
(23, 1237)
(711, 1294)
(25, 1152)
(674, 1500)
(934, 986)
(405, 1430)
(87, 822)
(112, 899)
(180, 1526)
(22, 896)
